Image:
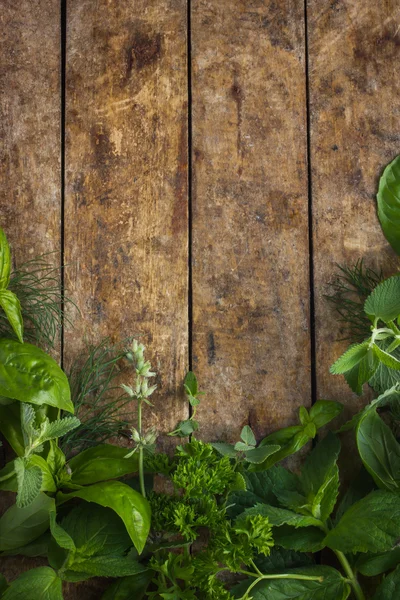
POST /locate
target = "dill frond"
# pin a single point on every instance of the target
(37, 285)
(349, 291)
(98, 399)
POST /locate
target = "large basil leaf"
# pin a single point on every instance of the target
(43, 584)
(388, 198)
(332, 587)
(379, 451)
(101, 463)
(128, 588)
(370, 525)
(5, 261)
(12, 308)
(30, 375)
(390, 587)
(133, 509)
(20, 526)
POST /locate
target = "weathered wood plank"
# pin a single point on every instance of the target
(126, 202)
(30, 126)
(354, 51)
(251, 336)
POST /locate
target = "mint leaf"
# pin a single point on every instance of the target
(43, 584)
(247, 436)
(388, 396)
(304, 539)
(29, 480)
(379, 451)
(371, 565)
(107, 566)
(388, 199)
(384, 301)
(58, 428)
(370, 525)
(260, 454)
(387, 359)
(362, 372)
(353, 355)
(282, 516)
(390, 587)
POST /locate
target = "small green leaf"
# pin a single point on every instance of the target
(107, 566)
(392, 394)
(384, 301)
(385, 377)
(133, 509)
(324, 411)
(58, 428)
(29, 480)
(362, 372)
(43, 584)
(5, 261)
(390, 587)
(388, 199)
(30, 375)
(371, 565)
(290, 439)
(281, 516)
(191, 384)
(260, 454)
(12, 308)
(129, 588)
(224, 449)
(303, 539)
(387, 359)
(242, 447)
(353, 355)
(63, 539)
(303, 415)
(101, 463)
(20, 526)
(247, 436)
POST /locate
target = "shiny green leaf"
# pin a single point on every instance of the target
(388, 199)
(5, 261)
(101, 463)
(43, 584)
(20, 526)
(384, 301)
(12, 308)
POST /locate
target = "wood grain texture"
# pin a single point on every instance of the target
(30, 126)
(251, 339)
(354, 52)
(126, 224)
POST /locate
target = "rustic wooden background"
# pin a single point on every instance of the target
(201, 166)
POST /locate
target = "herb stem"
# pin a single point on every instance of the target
(141, 469)
(359, 594)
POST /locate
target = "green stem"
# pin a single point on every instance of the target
(141, 468)
(275, 576)
(8, 476)
(359, 594)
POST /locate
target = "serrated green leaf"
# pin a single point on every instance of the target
(12, 309)
(390, 587)
(290, 439)
(282, 516)
(133, 509)
(303, 539)
(63, 539)
(28, 418)
(30, 375)
(387, 359)
(379, 451)
(5, 261)
(247, 436)
(384, 301)
(29, 482)
(107, 566)
(371, 565)
(224, 449)
(370, 525)
(129, 588)
(260, 454)
(388, 199)
(242, 447)
(385, 378)
(353, 355)
(362, 372)
(43, 583)
(58, 428)
(392, 394)
(20, 526)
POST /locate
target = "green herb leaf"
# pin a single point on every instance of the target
(30, 375)
(390, 587)
(379, 451)
(242, 447)
(290, 439)
(191, 384)
(370, 525)
(324, 411)
(107, 566)
(371, 565)
(58, 428)
(304, 539)
(387, 359)
(129, 587)
(390, 395)
(63, 539)
(29, 480)
(384, 302)
(43, 584)
(362, 372)
(133, 509)
(384, 377)
(10, 426)
(388, 199)
(225, 449)
(260, 454)
(101, 463)
(247, 436)
(12, 308)
(20, 526)
(353, 355)
(281, 516)
(5, 261)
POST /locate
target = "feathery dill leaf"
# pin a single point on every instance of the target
(97, 398)
(36, 283)
(349, 291)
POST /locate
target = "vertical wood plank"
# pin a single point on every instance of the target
(251, 340)
(126, 225)
(30, 126)
(354, 52)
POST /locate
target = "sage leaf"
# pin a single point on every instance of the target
(12, 308)
(30, 375)
(133, 509)
(101, 463)
(5, 261)
(384, 301)
(388, 199)
(43, 583)
(370, 525)
(224, 449)
(379, 451)
(247, 436)
(20, 526)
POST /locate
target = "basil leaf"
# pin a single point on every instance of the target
(10, 426)
(129, 587)
(30, 375)
(379, 451)
(12, 308)
(304, 539)
(101, 463)
(332, 587)
(38, 547)
(388, 199)
(133, 509)
(43, 584)
(5, 261)
(384, 301)
(375, 564)
(324, 411)
(390, 587)
(20, 526)
(370, 525)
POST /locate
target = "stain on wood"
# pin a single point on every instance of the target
(251, 339)
(355, 101)
(126, 209)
